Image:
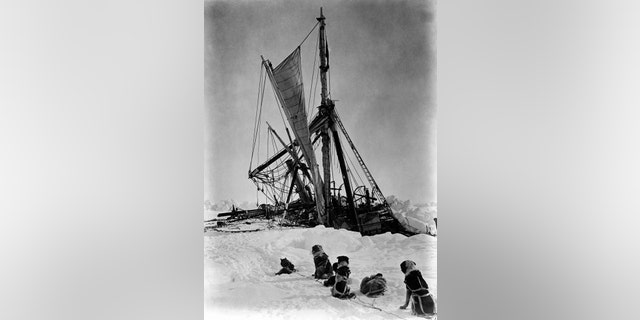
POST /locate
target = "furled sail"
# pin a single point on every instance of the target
(287, 80)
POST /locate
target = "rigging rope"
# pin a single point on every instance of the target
(328, 71)
(267, 144)
(275, 93)
(313, 77)
(364, 304)
(334, 157)
(305, 38)
(372, 187)
(351, 171)
(315, 92)
(264, 82)
(256, 126)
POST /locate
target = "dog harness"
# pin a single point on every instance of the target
(340, 293)
(421, 294)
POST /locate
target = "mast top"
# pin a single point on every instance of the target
(321, 15)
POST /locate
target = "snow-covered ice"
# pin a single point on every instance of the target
(417, 218)
(240, 280)
(414, 218)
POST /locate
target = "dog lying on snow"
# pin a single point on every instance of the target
(287, 267)
(373, 285)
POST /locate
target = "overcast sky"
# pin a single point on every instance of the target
(383, 71)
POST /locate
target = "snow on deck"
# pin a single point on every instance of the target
(240, 280)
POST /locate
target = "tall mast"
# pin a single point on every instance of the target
(324, 64)
(324, 133)
(327, 110)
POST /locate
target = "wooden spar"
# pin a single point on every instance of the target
(324, 132)
(296, 180)
(270, 161)
(326, 165)
(290, 191)
(376, 190)
(275, 158)
(249, 213)
(319, 122)
(290, 164)
(289, 148)
(324, 65)
(345, 177)
(300, 166)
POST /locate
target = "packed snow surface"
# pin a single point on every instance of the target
(240, 280)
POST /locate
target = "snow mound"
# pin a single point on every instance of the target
(240, 280)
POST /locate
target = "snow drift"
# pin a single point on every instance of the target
(240, 280)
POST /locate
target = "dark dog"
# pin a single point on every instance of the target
(422, 302)
(287, 267)
(322, 263)
(340, 289)
(373, 285)
(343, 261)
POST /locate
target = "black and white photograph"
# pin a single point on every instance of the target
(289, 159)
(320, 160)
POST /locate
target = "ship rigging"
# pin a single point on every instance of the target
(338, 192)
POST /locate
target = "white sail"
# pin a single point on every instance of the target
(287, 80)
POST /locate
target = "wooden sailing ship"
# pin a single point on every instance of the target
(333, 193)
